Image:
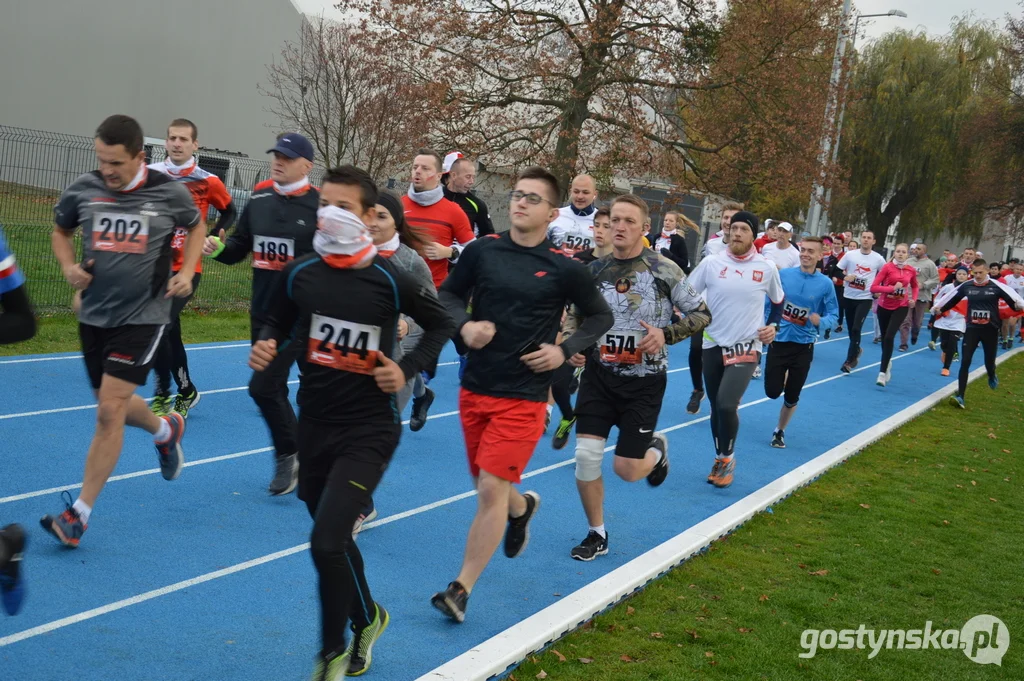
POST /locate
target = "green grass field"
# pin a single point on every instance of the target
(26, 215)
(924, 525)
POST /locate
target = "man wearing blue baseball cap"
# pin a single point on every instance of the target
(277, 226)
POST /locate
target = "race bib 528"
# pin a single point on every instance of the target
(120, 233)
(272, 253)
(346, 346)
(620, 347)
(575, 243)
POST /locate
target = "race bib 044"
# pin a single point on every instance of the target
(120, 233)
(341, 345)
(980, 317)
(272, 253)
(620, 347)
(743, 352)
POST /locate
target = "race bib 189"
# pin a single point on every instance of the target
(743, 352)
(794, 314)
(620, 347)
(979, 317)
(272, 253)
(120, 233)
(342, 345)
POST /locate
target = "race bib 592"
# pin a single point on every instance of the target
(346, 346)
(794, 314)
(120, 232)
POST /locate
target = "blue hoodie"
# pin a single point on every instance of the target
(806, 294)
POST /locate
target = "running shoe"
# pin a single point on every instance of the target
(757, 371)
(333, 668)
(183, 402)
(957, 401)
(590, 548)
(828, 333)
(904, 347)
(1009, 344)
(365, 516)
(420, 407)
(779, 439)
(846, 368)
(12, 586)
(286, 475)
(888, 373)
(956, 356)
(876, 340)
(693, 406)
(169, 452)
(660, 470)
(360, 649)
(945, 372)
(881, 379)
(839, 328)
(161, 405)
(931, 345)
(913, 340)
(68, 526)
(517, 536)
(993, 383)
(562, 432)
(452, 601)
(721, 473)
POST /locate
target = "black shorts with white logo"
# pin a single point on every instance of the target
(124, 352)
(629, 402)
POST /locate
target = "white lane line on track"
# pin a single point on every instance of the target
(31, 360)
(83, 407)
(178, 586)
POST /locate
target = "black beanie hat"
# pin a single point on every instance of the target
(394, 206)
(747, 217)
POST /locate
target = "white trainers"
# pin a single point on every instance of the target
(757, 371)
(881, 379)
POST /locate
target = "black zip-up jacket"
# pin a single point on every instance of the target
(344, 319)
(475, 209)
(523, 291)
(982, 303)
(677, 250)
(270, 221)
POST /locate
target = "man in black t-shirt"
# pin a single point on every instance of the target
(520, 285)
(349, 424)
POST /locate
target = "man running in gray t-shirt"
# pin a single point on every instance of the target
(128, 216)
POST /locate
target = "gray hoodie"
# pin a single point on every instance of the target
(927, 277)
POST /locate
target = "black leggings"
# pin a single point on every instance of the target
(950, 343)
(726, 385)
(889, 322)
(856, 312)
(988, 337)
(842, 308)
(340, 467)
(560, 389)
(697, 361)
(269, 390)
(171, 359)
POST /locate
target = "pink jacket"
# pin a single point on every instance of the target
(885, 284)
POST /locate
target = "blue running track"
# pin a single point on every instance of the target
(208, 577)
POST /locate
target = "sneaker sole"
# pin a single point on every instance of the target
(192, 406)
(359, 523)
(369, 649)
(782, 446)
(722, 485)
(526, 532)
(54, 530)
(442, 603)
(426, 416)
(603, 552)
(287, 490)
(953, 401)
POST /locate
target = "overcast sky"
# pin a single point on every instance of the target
(933, 16)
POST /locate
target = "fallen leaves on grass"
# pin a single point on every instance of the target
(560, 656)
(542, 674)
(865, 505)
(937, 571)
(626, 658)
(744, 630)
(762, 598)
(819, 573)
(586, 660)
(693, 634)
(630, 609)
(991, 436)
(708, 653)
(657, 634)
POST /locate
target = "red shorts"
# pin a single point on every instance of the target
(501, 433)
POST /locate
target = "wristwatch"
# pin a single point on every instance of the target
(455, 254)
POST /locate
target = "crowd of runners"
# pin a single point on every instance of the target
(362, 289)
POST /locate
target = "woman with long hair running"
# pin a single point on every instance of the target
(896, 287)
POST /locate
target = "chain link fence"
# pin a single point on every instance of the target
(36, 166)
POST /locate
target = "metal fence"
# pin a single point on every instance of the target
(36, 166)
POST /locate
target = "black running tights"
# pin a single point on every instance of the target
(889, 322)
(987, 337)
(726, 385)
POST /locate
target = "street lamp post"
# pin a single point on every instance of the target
(817, 216)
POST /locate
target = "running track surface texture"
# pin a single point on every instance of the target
(208, 577)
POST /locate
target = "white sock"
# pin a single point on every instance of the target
(600, 530)
(657, 455)
(551, 408)
(164, 433)
(83, 510)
